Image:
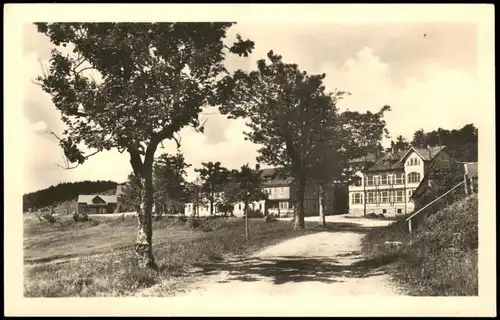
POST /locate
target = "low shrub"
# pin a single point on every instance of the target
(439, 258)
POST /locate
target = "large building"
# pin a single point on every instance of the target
(93, 204)
(386, 182)
(281, 200)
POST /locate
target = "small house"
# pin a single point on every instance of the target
(93, 204)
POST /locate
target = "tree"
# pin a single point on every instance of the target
(286, 110)
(462, 143)
(248, 190)
(419, 139)
(228, 195)
(194, 194)
(345, 137)
(213, 176)
(130, 197)
(169, 181)
(401, 143)
(152, 80)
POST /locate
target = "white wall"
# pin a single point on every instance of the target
(278, 193)
(419, 168)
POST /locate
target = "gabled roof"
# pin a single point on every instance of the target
(369, 157)
(425, 153)
(395, 161)
(88, 198)
(390, 161)
(272, 177)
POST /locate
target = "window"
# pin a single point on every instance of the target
(357, 181)
(384, 197)
(260, 206)
(371, 197)
(384, 210)
(399, 196)
(414, 177)
(414, 162)
(356, 198)
(390, 179)
(400, 178)
(281, 191)
(239, 206)
(373, 180)
(384, 180)
(400, 211)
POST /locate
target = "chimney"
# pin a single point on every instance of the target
(257, 166)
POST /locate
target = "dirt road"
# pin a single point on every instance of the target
(330, 263)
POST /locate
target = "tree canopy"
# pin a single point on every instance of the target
(462, 143)
(129, 86)
(213, 176)
(295, 120)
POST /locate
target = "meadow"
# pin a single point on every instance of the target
(96, 257)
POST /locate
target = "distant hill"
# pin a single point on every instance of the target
(65, 192)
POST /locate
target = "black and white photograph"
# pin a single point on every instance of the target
(265, 156)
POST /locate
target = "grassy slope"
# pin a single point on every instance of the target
(437, 259)
(114, 272)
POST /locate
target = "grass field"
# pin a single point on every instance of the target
(96, 258)
(440, 257)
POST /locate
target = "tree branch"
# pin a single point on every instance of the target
(177, 140)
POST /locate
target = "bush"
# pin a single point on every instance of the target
(80, 216)
(439, 258)
(270, 218)
(253, 213)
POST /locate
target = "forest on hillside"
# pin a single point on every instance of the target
(64, 192)
(462, 143)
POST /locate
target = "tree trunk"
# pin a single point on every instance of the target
(211, 204)
(321, 204)
(364, 195)
(247, 236)
(299, 223)
(144, 242)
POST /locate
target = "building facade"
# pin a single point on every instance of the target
(387, 182)
(94, 204)
(281, 200)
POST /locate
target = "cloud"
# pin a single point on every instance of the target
(427, 84)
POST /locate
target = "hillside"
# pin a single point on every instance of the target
(440, 257)
(64, 193)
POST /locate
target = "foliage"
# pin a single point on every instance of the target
(169, 181)
(287, 110)
(154, 78)
(194, 195)
(80, 216)
(400, 144)
(462, 143)
(213, 176)
(130, 197)
(440, 257)
(351, 136)
(247, 185)
(442, 178)
(64, 192)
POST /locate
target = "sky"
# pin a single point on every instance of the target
(379, 64)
